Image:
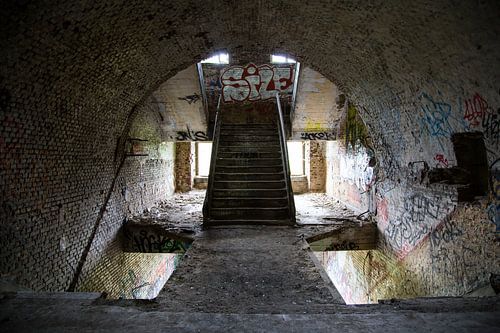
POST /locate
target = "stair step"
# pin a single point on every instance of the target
(249, 176)
(249, 154)
(248, 162)
(232, 169)
(252, 125)
(249, 184)
(269, 139)
(249, 193)
(278, 222)
(258, 130)
(251, 149)
(248, 132)
(232, 202)
(248, 144)
(249, 213)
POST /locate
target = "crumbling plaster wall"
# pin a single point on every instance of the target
(456, 259)
(180, 107)
(430, 243)
(73, 72)
(318, 107)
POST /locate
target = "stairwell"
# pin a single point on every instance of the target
(250, 183)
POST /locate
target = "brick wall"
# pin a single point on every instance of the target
(457, 259)
(317, 171)
(72, 74)
(183, 164)
(130, 275)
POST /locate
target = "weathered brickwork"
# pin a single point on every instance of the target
(72, 74)
(317, 169)
(456, 259)
(146, 177)
(130, 275)
(183, 162)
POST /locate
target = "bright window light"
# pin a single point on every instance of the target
(281, 59)
(204, 153)
(220, 58)
(296, 157)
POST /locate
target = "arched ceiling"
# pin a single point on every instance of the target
(84, 56)
(73, 72)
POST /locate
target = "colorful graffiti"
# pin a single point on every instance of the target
(147, 285)
(347, 280)
(253, 83)
(441, 161)
(479, 114)
(476, 108)
(436, 116)
(420, 214)
(382, 212)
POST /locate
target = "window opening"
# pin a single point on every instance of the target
(203, 155)
(282, 59)
(296, 157)
(219, 58)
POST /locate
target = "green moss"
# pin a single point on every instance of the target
(353, 130)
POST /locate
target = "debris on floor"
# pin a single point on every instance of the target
(181, 213)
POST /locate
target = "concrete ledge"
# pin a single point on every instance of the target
(54, 295)
(420, 315)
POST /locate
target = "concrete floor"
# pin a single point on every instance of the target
(184, 210)
(245, 279)
(73, 312)
(254, 269)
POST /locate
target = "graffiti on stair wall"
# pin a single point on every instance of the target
(190, 98)
(253, 83)
(420, 214)
(150, 240)
(190, 135)
(318, 136)
(146, 284)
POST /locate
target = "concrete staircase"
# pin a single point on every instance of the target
(249, 184)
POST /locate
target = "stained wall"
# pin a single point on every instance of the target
(73, 74)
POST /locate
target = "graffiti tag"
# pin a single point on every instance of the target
(420, 215)
(436, 117)
(479, 114)
(318, 136)
(190, 135)
(442, 161)
(344, 246)
(190, 98)
(255, 83)
(150, 242)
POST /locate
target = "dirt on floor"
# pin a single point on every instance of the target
(249, 269)
(185, 209)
